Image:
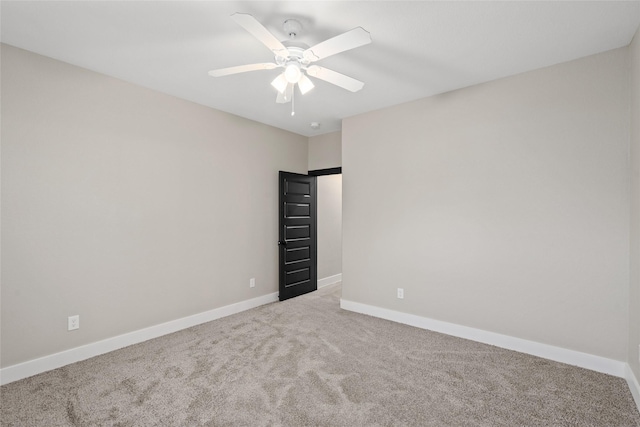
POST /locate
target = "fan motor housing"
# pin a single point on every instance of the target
(296, 54)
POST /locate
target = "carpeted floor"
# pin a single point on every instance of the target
(306, 362)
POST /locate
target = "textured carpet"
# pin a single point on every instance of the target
(306, 362)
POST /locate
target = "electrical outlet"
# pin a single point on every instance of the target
(252, 282)
(400, 293)
(73, 322)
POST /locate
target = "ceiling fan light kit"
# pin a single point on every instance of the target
(296, 58)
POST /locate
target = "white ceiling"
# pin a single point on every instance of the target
(419, 48)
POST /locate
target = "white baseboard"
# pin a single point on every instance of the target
(634, 386)
(329, 280)
(558, 354)
(57, 360)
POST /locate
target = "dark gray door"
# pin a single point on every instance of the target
(297, 238)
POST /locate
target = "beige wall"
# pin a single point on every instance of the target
(329, 225)
(634, 289)
(503, 206)
(127, 206)
(325, 151)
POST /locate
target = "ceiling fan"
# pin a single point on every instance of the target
(297, 58)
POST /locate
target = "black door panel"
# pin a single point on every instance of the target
(298, 247)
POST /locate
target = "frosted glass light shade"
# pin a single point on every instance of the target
(292, 73)
(305, 84)
(280, 83)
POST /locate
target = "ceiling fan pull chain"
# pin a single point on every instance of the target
(293, 97)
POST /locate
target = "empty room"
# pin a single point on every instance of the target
(320, 213)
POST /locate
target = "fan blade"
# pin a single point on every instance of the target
(335, 78)
(349, 40)
(242, 69)
(286, 95)
(251, 24)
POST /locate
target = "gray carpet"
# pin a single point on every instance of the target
(306, 362)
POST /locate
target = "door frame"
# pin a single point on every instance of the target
(329, 171)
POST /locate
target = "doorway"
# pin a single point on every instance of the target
(310, 236)
(329, 193)
(329, 233)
